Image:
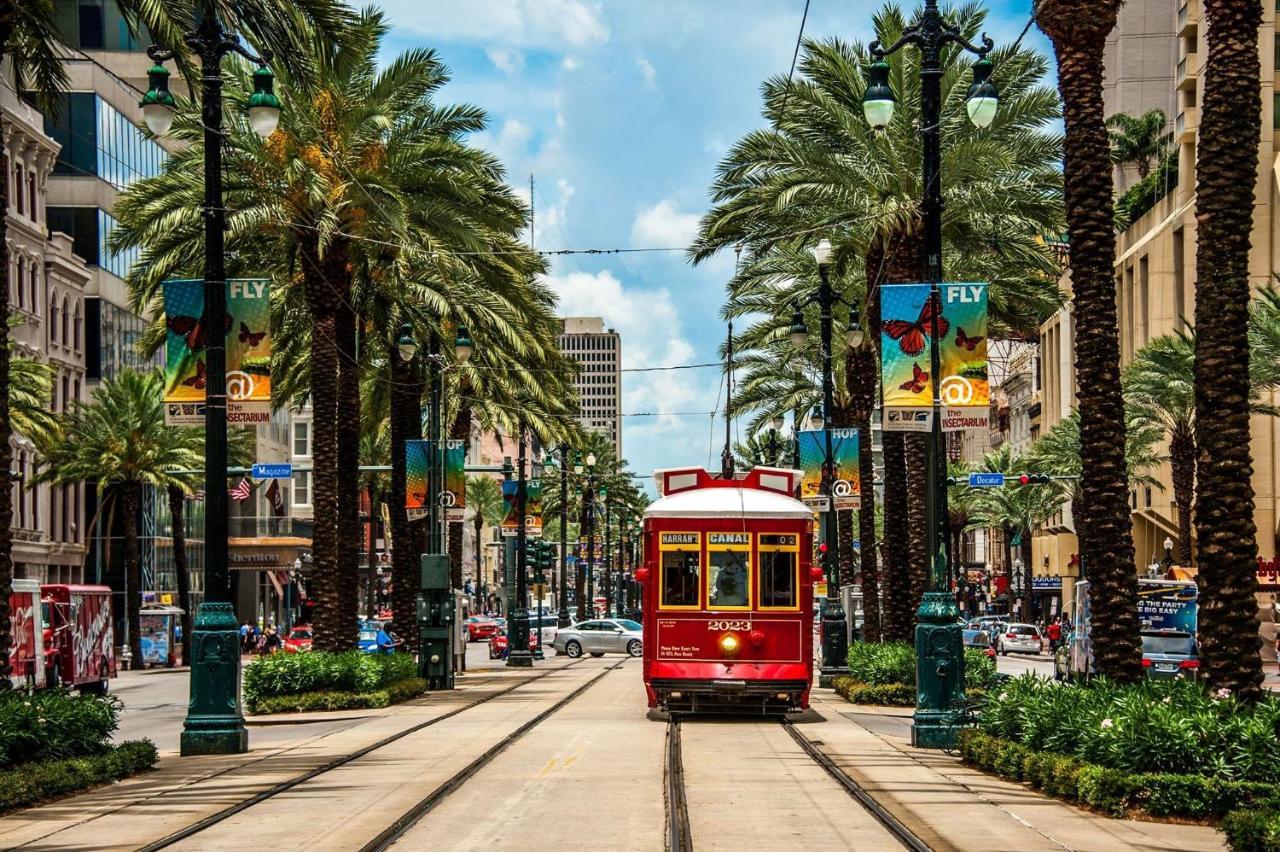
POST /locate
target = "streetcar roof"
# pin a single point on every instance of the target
(728, 502)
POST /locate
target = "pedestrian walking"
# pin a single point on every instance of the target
(1055, 635)
(270, 642)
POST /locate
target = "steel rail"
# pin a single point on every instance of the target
(392, 833)
(679, 836)
(901, 833)
(215, 818)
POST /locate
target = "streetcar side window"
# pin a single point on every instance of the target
(681, 576)
(778, 578)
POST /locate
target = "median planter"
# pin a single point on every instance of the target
(32, 783)
(1253, 831)
(320, 680)
(885, 674)
(885, 695)
(401, 690)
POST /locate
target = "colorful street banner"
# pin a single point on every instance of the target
(905, 333)
(453, 496)
(510, 520)
(247, 326)
(847, 488)
(533, 508)
(416, 458)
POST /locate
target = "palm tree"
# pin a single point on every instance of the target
(819, 169)
(1078, 30)
(29, 39)
(484, 501)
(367, 187)
(761, 450)
(1159, 389)
(1138, 141)
(119, 442)
(1226, 171)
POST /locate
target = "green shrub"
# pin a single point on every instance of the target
(51, 724)
(35, 782)
(1106, 790)
(401, 690)
(878, 664)
(888, 694)
(1253, 831)
(323, 671)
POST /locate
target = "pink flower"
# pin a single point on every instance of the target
(1107, 723)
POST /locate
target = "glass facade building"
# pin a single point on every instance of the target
(90, 228)
(98, 141)
(96, 25)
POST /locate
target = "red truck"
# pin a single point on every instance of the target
(62, 636)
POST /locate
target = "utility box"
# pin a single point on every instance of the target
(436, 630)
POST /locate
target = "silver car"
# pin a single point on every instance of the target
(1019, 638)
(598, 637)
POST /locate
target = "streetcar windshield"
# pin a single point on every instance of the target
(681, 575)
(777, 578)
(727, 583)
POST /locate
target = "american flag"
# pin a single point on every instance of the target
(241, 491)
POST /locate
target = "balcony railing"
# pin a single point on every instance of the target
(270, 527)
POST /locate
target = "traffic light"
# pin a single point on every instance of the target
(1033, 479)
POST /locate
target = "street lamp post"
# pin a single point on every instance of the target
(618, 589)
(214, 723)
(519, 655)
(608, 556)
(939, 651)
(589, 517)
(562, 618)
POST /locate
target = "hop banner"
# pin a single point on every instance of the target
(847, 488)
(416, 458)
(247, 327)
(905, 331)
(453, 496)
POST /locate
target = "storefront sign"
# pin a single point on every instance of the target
(1046, 584)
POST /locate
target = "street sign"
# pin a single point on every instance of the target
(273, 470)
(986, 480)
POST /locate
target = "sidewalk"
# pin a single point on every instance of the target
(955, 808)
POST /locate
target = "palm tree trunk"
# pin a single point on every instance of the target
(1182, 464)
(178, 532)
(896, 588)
(322, 279)
(860, 374)
(371, 561)
(1079, 31)
(348, 470)
(6, 452)
(479, 560)
(131, 492)
(406, 425)
(1226, 174)
(916, 446)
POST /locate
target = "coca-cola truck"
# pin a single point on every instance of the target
(79, 642)
(26, 654)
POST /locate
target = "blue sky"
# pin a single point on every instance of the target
(621, 110)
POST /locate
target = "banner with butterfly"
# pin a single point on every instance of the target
(247, 327)
(847, 488)
(909, 319)
(532, 508)
(416, 456)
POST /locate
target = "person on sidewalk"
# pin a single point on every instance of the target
(270, 641)
(1055, 635)
(386, 640)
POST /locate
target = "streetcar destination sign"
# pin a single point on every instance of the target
(679, 538)
(986, 480)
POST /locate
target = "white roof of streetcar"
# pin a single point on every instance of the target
(762, 493)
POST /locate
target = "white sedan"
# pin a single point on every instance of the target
(1019, 638)
(598, 637)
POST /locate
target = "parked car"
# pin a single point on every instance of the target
(500, 644)
(480, 628)
(1169, 654)
(367, 641)
(1020, 638)
(599, 637)
(299, 639)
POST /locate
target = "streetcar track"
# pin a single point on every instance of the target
(901, 833)
(392, 833)
(230, 811)
(679, 836)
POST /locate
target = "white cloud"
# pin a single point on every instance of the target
(647, 71)
(543, 24)
(551, 212)
(569, 64)
(663, 225)
(510, 142)
(508, 62)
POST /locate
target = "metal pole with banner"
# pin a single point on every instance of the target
(416, 463)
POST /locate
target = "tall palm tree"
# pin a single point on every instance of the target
(118, 441)
(1226, 172)
(1159, 389)
(30, 40)
(1138, 141)
(1078, 30)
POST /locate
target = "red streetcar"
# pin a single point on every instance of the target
(728, 593)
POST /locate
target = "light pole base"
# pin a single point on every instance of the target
(563, 618)
(939, 672)
(835, 647)
(827, 677)
(214, 723)
(520, 659)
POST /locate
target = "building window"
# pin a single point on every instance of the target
(66, 390)
(75, 327)
(21, 285)
(302, 488)
(302, 439)
(98, 141)
(31, 195)
(35, 288)
(66, 320)
(53, 318)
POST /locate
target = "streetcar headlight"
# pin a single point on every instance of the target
(730, 644)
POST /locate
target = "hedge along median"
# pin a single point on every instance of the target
(322, 680)
(54, 742)
(885, 674)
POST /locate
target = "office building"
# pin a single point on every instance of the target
(598, 352)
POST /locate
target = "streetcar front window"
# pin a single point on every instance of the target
(777, 578)
(681, 576)
(728, 584)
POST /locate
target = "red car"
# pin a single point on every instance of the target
(480, 628)
(299, 639)
(498, 644)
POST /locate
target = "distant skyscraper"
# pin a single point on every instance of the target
(599, 384)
